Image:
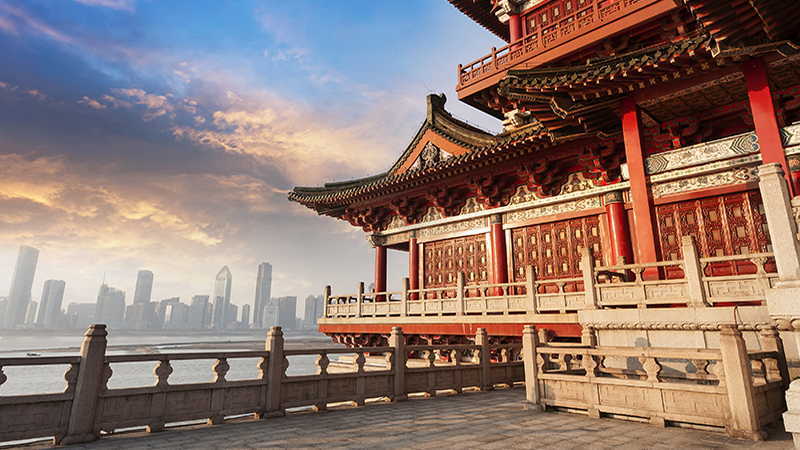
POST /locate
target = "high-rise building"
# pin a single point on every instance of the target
(110, 305)
(82, 314)
(246, 314)
(287, 310)
(20, 292)
(222, 298)
(144, 287)
(30, 316)
(196, 319)
(50, 307)
(175, 316)
(263, 292)
(314, 310)
(3, 306)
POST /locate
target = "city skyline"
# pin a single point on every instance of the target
(132, 141)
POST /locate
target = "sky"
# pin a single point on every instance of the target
(165, 135)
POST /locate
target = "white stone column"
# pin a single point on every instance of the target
(791, 418)
(780, 220)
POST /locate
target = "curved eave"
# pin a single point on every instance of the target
(481, 11)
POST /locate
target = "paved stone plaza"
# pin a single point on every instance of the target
(480, 420)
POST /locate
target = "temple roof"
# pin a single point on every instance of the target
(482, 12)
(466, 145)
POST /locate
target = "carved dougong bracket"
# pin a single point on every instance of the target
(368, 218)
(602, 162)
(491, 190)
(448, 201)
(411, 210)
(542, 177)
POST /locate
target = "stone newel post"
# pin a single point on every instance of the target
(739, 384)
(791, 418)
(782, 227)
(398, 341)
(93, 355)
(274, 345)
(482, 339)
(529, 343)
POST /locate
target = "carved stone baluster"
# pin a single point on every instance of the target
(70, 376)
(389, 360)
(3, 376)
(162, 372)
(263, 368)
(567, 363)
(542, 361)
(430, 357)
(504, 355)
(701, 365)
(360, 360)
(772, 369)
(455, 357)
(590, 365)
(220, 368)
(637, 274)
(651, 367)
(105, 376)
(322, 363)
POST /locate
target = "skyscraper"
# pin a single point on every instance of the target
(314, 310)
(50, 308)
(263, 292)
(110, 305)
(144, 287)
(222, 298)
(246, 314)
(20, 293)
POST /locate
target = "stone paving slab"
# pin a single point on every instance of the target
(473, 420)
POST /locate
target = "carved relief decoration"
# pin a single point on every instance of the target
(491, 190)
(736, 176)
(702, 153)
(448, 201)
(576, 183)
(432, 214)
(430, 156)
(558, 208)
(396, 223)
(472, 224)
(522, 195)
(397, 238)
(471, 206)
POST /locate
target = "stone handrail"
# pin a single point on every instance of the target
(728, 387)
(88, 407)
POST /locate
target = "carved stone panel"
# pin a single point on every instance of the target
(694, 403)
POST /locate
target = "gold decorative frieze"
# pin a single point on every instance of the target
(558, 208)
(471, 224)
(730, 177)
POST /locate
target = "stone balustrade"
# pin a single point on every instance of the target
(88, 407)
(728, 387)
(610, 287)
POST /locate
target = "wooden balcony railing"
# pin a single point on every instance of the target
(550, 24)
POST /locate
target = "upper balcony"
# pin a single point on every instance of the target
(553, 29)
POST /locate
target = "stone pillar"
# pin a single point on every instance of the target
(791, 418)
(743, 421)
(693, 272)
(529, 343)
(767, 129)
(275, 373)
(398, 342)
(589, 336)
(413, 266)
(482, 339)
(499, 258)
(87, 386)
(641, 195)
(780, 220)
(587, 267)
(618, 227)
(380, 272)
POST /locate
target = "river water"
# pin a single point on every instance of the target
(23, 380)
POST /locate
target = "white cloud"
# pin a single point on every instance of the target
(93, 103)
(123, 5)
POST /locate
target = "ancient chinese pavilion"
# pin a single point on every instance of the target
(629, 125)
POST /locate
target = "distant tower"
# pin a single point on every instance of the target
(21, 284)
(144, 287)
(222, 298)
(263, 292)
(246, 314)
(50, 308)
(110, 305)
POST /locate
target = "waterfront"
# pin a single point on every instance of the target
(24, 380)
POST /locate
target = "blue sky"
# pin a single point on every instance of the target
(165, 134)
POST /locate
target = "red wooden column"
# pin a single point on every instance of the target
(618, 227)
(380, 272)
(413, 266)
(644, 221)
(499, 259)
(515, 29)
(769, 135)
